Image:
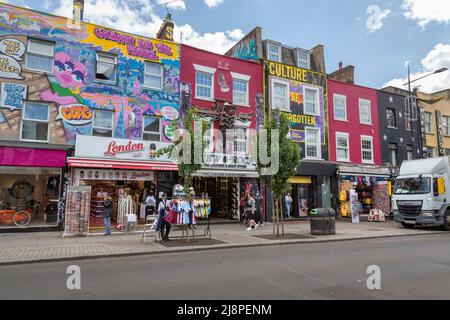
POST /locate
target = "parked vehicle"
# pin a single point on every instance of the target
(421, 194)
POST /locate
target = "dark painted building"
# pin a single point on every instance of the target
(400, 132)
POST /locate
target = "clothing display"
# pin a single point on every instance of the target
(186, 214)
(202, 208)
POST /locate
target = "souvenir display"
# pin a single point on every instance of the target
(202, 208)
(77, 212)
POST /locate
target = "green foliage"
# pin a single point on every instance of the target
(187, 170)
(289, 154)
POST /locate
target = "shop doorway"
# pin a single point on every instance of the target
(223, 193)
(34, 190)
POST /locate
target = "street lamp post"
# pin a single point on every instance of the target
(410, 106)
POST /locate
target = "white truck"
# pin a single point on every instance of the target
(421, 194)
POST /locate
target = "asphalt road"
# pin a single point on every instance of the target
(411, 268)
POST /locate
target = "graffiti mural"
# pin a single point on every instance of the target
(12, 95)
(301, 80)
(249, 47)
(74, 89)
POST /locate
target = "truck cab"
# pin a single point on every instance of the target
(421, 193)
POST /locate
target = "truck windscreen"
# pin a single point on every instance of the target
(413, 186)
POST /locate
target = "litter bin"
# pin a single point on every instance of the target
(323, 221)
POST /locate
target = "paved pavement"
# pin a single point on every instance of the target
(411, 268)
(44, 247)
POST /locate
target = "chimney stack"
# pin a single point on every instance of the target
(166, 30)
(340, 65)
(78, 9)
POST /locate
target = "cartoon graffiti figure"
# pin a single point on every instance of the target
(134, 130)
(224, 87)
(71, 76)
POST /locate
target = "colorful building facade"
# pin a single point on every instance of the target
(355, 145)
(228, 95)
(62, 79)
(295, 83)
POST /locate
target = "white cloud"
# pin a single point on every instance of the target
(426, 11)
(213, 3)
(376, 17)
(175, 5)
(218, 42)
(139, 17)
(437, 58)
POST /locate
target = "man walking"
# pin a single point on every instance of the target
(107, 213)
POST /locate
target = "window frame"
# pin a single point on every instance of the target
(209, 71)
(395, 118)
(367, 138)
(278, 54)
(23, 118)
(431, 131)
(149, 132)
(308, 62)
(317, 105)
(409, 150)
(340, 96)
(360, 104)
(235, 140)
(246, 79)
(161, 76)
(318, 145)
(347, 136)
(103, 128)
(393, 150)
(111, 55)
(41, 55)
(446, 128)
(287, 106)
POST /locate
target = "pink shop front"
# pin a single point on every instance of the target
(31, 180)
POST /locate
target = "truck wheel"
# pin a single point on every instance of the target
(408, 226)
(446, 226)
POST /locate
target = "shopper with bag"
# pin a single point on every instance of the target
(163, 213)
(107, 213)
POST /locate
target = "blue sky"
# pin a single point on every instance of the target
(417, 31)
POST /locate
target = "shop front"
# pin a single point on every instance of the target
(224, 179)
(370, 184)
(31, 181)
(126, 170)
(312, 187)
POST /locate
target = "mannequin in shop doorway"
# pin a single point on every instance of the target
(107, 213)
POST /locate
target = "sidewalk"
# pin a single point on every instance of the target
(49, 246)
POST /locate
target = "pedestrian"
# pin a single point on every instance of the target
(163, 213)
(243, 205)
(174, 209)
(150, 205)
(107, 213)
(251, 207)
(288, 203)
(258, 200)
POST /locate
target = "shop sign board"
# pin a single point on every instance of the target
(113, 175)
(119, 149)
(232, 161)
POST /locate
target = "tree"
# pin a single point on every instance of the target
(184, 149)
(289, 160)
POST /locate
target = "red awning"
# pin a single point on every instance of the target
(130, 165)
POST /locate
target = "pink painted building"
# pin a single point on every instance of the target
(228, 93)
(354, 127)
